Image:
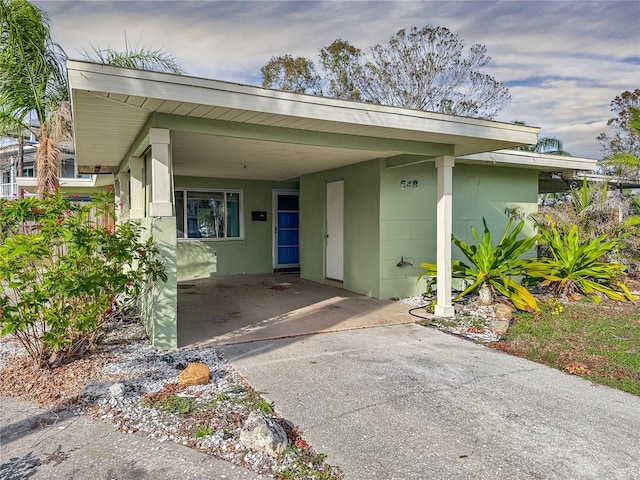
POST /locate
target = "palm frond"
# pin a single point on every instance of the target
(622, 159)
(141, 58)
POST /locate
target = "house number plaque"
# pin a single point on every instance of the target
(408, 184)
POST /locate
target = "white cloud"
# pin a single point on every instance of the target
(572, 50)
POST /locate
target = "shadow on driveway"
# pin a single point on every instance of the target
(247, 308)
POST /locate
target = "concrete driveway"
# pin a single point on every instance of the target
(408, 402)
(246, 308)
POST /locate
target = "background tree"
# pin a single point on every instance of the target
(428, 69)
(424, 69)
(622, 149)
(341, 65)
(289, 74)
(33, 80)
(547, 145)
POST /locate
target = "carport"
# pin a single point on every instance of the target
(246, 308)
(169, 141)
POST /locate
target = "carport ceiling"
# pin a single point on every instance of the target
(226, 157)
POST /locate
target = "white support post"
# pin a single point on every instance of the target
(122, 196)
(444, 227)
(160, 165)
(136, 186)
(117, 190)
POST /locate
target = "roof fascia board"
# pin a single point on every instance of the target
(109, 79)
(296, 136)
(535, 160)
(72, 101)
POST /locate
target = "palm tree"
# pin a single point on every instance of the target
(548, 145)
(33, 80)
(141, 58)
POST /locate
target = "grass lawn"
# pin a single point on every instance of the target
(598, 342)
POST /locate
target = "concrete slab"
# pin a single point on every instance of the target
(407, 402)
(247, 308)
(39, 444)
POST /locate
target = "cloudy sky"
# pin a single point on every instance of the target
(563, 60)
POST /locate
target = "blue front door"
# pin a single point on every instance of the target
(286, 241)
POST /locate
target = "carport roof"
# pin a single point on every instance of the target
(112, 105)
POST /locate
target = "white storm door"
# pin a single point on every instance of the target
(335, 231)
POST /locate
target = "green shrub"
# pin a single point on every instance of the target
(203, 431)
(492, 268)
(575, 264)
(64, 274)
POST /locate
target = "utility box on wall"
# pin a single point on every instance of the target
(259, 216)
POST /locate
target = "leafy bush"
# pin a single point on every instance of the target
(492, 267)
(203, 431)
(598, 213)
(65, 271)
(576, 264)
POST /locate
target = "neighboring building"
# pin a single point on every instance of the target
(15, 161)
(234, 179)
(18, 171)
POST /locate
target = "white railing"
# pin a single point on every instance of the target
(8, 190)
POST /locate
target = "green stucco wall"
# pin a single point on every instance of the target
(361, 231)
(253, 254)
(484, 191)
(407, 226)
(159, 310)
(385, 222)
(408, 216)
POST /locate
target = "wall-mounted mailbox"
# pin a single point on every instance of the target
(259, 216)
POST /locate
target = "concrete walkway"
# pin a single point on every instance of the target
(407, 402)
(39, 444)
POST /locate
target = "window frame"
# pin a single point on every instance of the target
(224, 192)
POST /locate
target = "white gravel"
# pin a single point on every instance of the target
(471, 321)
(140, 373)
(128, 396)
(9, 347)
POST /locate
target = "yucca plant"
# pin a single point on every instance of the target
(493, 268)
(576, 264)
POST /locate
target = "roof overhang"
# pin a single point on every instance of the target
(30, 184)
(555, 171)
(217, 127)
(538, 161)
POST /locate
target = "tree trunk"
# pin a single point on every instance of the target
(47, 163)
(485, 294)
(20, 162)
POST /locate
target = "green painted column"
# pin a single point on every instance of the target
(163, 304)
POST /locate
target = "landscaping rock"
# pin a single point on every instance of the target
(94, 392)
(262, 434)
(499, 327)
(117, 390)
(503, 312)
(194, 374)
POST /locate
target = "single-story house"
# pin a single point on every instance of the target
(236, 179)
